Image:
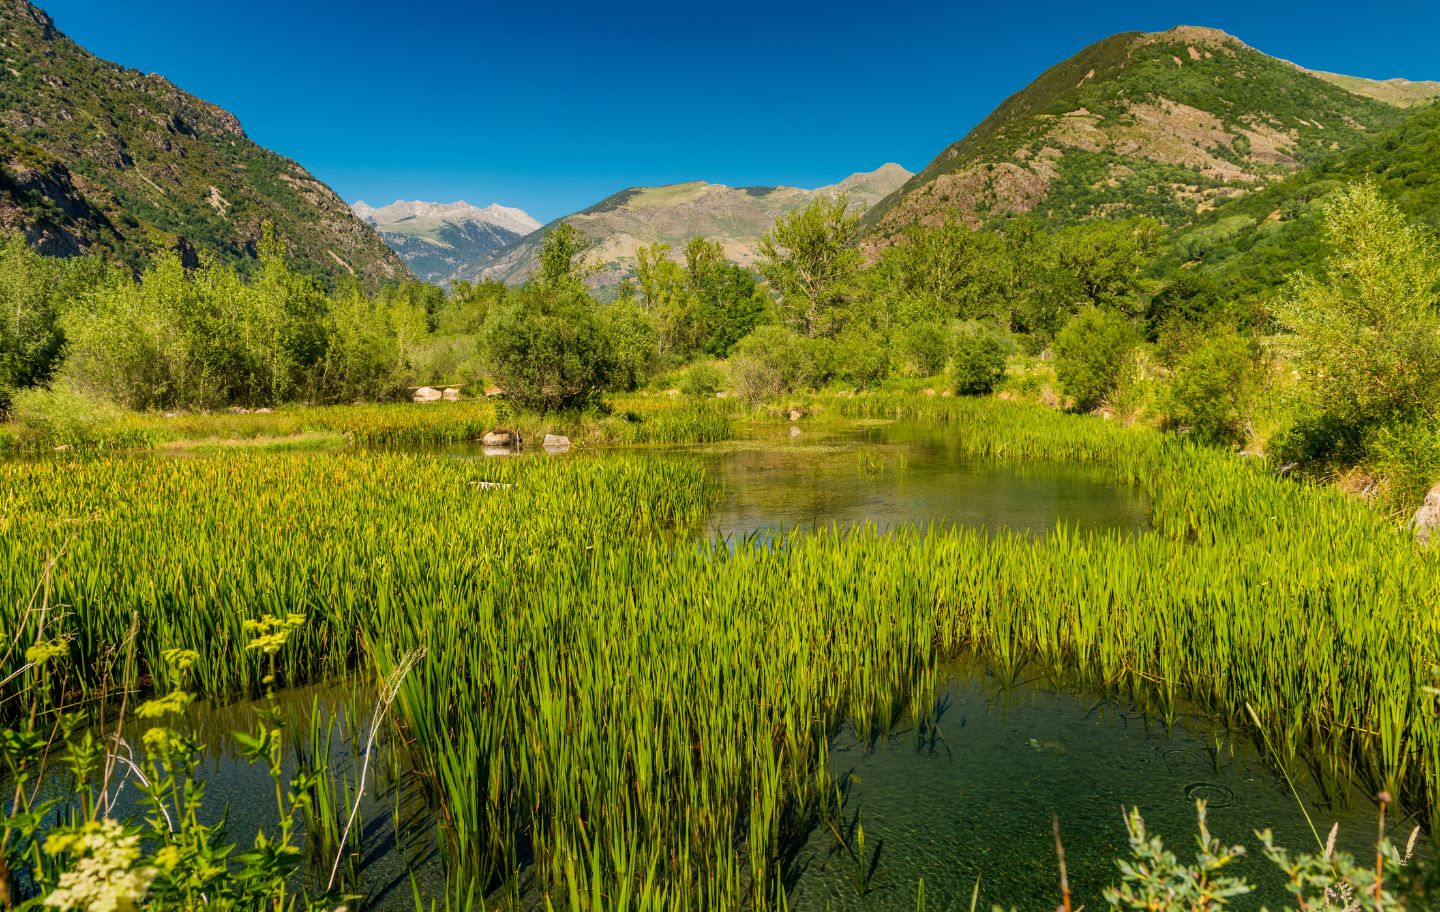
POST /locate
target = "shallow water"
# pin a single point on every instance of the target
(979, 806)
(780, 478)
(890, 474)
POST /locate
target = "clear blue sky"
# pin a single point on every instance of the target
(552, 106)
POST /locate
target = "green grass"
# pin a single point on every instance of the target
(634, 419)
(643, 724)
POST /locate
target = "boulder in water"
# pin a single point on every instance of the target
(426, 394)
(556, 443)
(500, 438)
(451, 394)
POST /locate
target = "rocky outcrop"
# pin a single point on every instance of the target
(1427, 519)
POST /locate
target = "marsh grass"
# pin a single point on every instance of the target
(622, 721)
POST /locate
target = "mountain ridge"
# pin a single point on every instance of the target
(99, 158)
(1155, 123)
(736, 217)
(437, 239)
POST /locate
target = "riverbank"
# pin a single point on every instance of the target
(617, 714)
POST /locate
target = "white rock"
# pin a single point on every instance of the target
(426, 394)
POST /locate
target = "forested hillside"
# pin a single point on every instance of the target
(96, 158)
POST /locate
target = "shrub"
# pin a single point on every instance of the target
(1407, 458)
(702, 381)
(1090, 353)
(63, 415)
(977, 363)
(1366, 331)
(767, 363)
(861, 358)
(1210, 391)
(545, 346)
(920, 349)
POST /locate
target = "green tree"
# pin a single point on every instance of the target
(809, 259)
(1366, 334)
(977, 363)
(372, 344)
(1107, 260)
(562, 257)
(545, 343)
(1210, 391)
(1090, 353)
(32, 290)
(633, 342)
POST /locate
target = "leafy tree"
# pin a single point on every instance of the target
(1213, 382)
(920, 349)
(1090, 354)
(809, 260)
(1107, 260)
(949, 271)
(703, 307)
(547, 348)
(728, 302)
(545, 343)
(633, 341)
(1365, 329)
(977, 363)
(32, 291)
(562, 257)
(372, 345)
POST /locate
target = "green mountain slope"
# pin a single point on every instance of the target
(737, 217)
(1250, 244)
(1163, 124)
(95, 157)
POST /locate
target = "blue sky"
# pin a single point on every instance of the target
(553, 106)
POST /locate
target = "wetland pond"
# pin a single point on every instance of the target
(974, 806)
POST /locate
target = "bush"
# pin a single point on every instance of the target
(861, 358)
(1090, 353)
(64, 416)
(920, 349)
(977, 363)
(1366, 332)
(702, 381)
(1209, 394)
(767, 363)
(634, 343)
(1406, 457)
(545, 346)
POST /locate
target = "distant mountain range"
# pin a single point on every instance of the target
(736, 217)
(1166, 124)
(98, 158)
(1183, 125)
(440, 241)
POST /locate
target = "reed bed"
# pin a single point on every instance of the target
(633, 419)
(623, 716)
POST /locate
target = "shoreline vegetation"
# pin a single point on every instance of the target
(601, 718)
(1289, 610)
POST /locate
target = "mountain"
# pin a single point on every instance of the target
(95, 157)
(737, 217)
(1248, 245)
(1164, 124)
(438, 240)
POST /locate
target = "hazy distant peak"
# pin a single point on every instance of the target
(460, 212)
